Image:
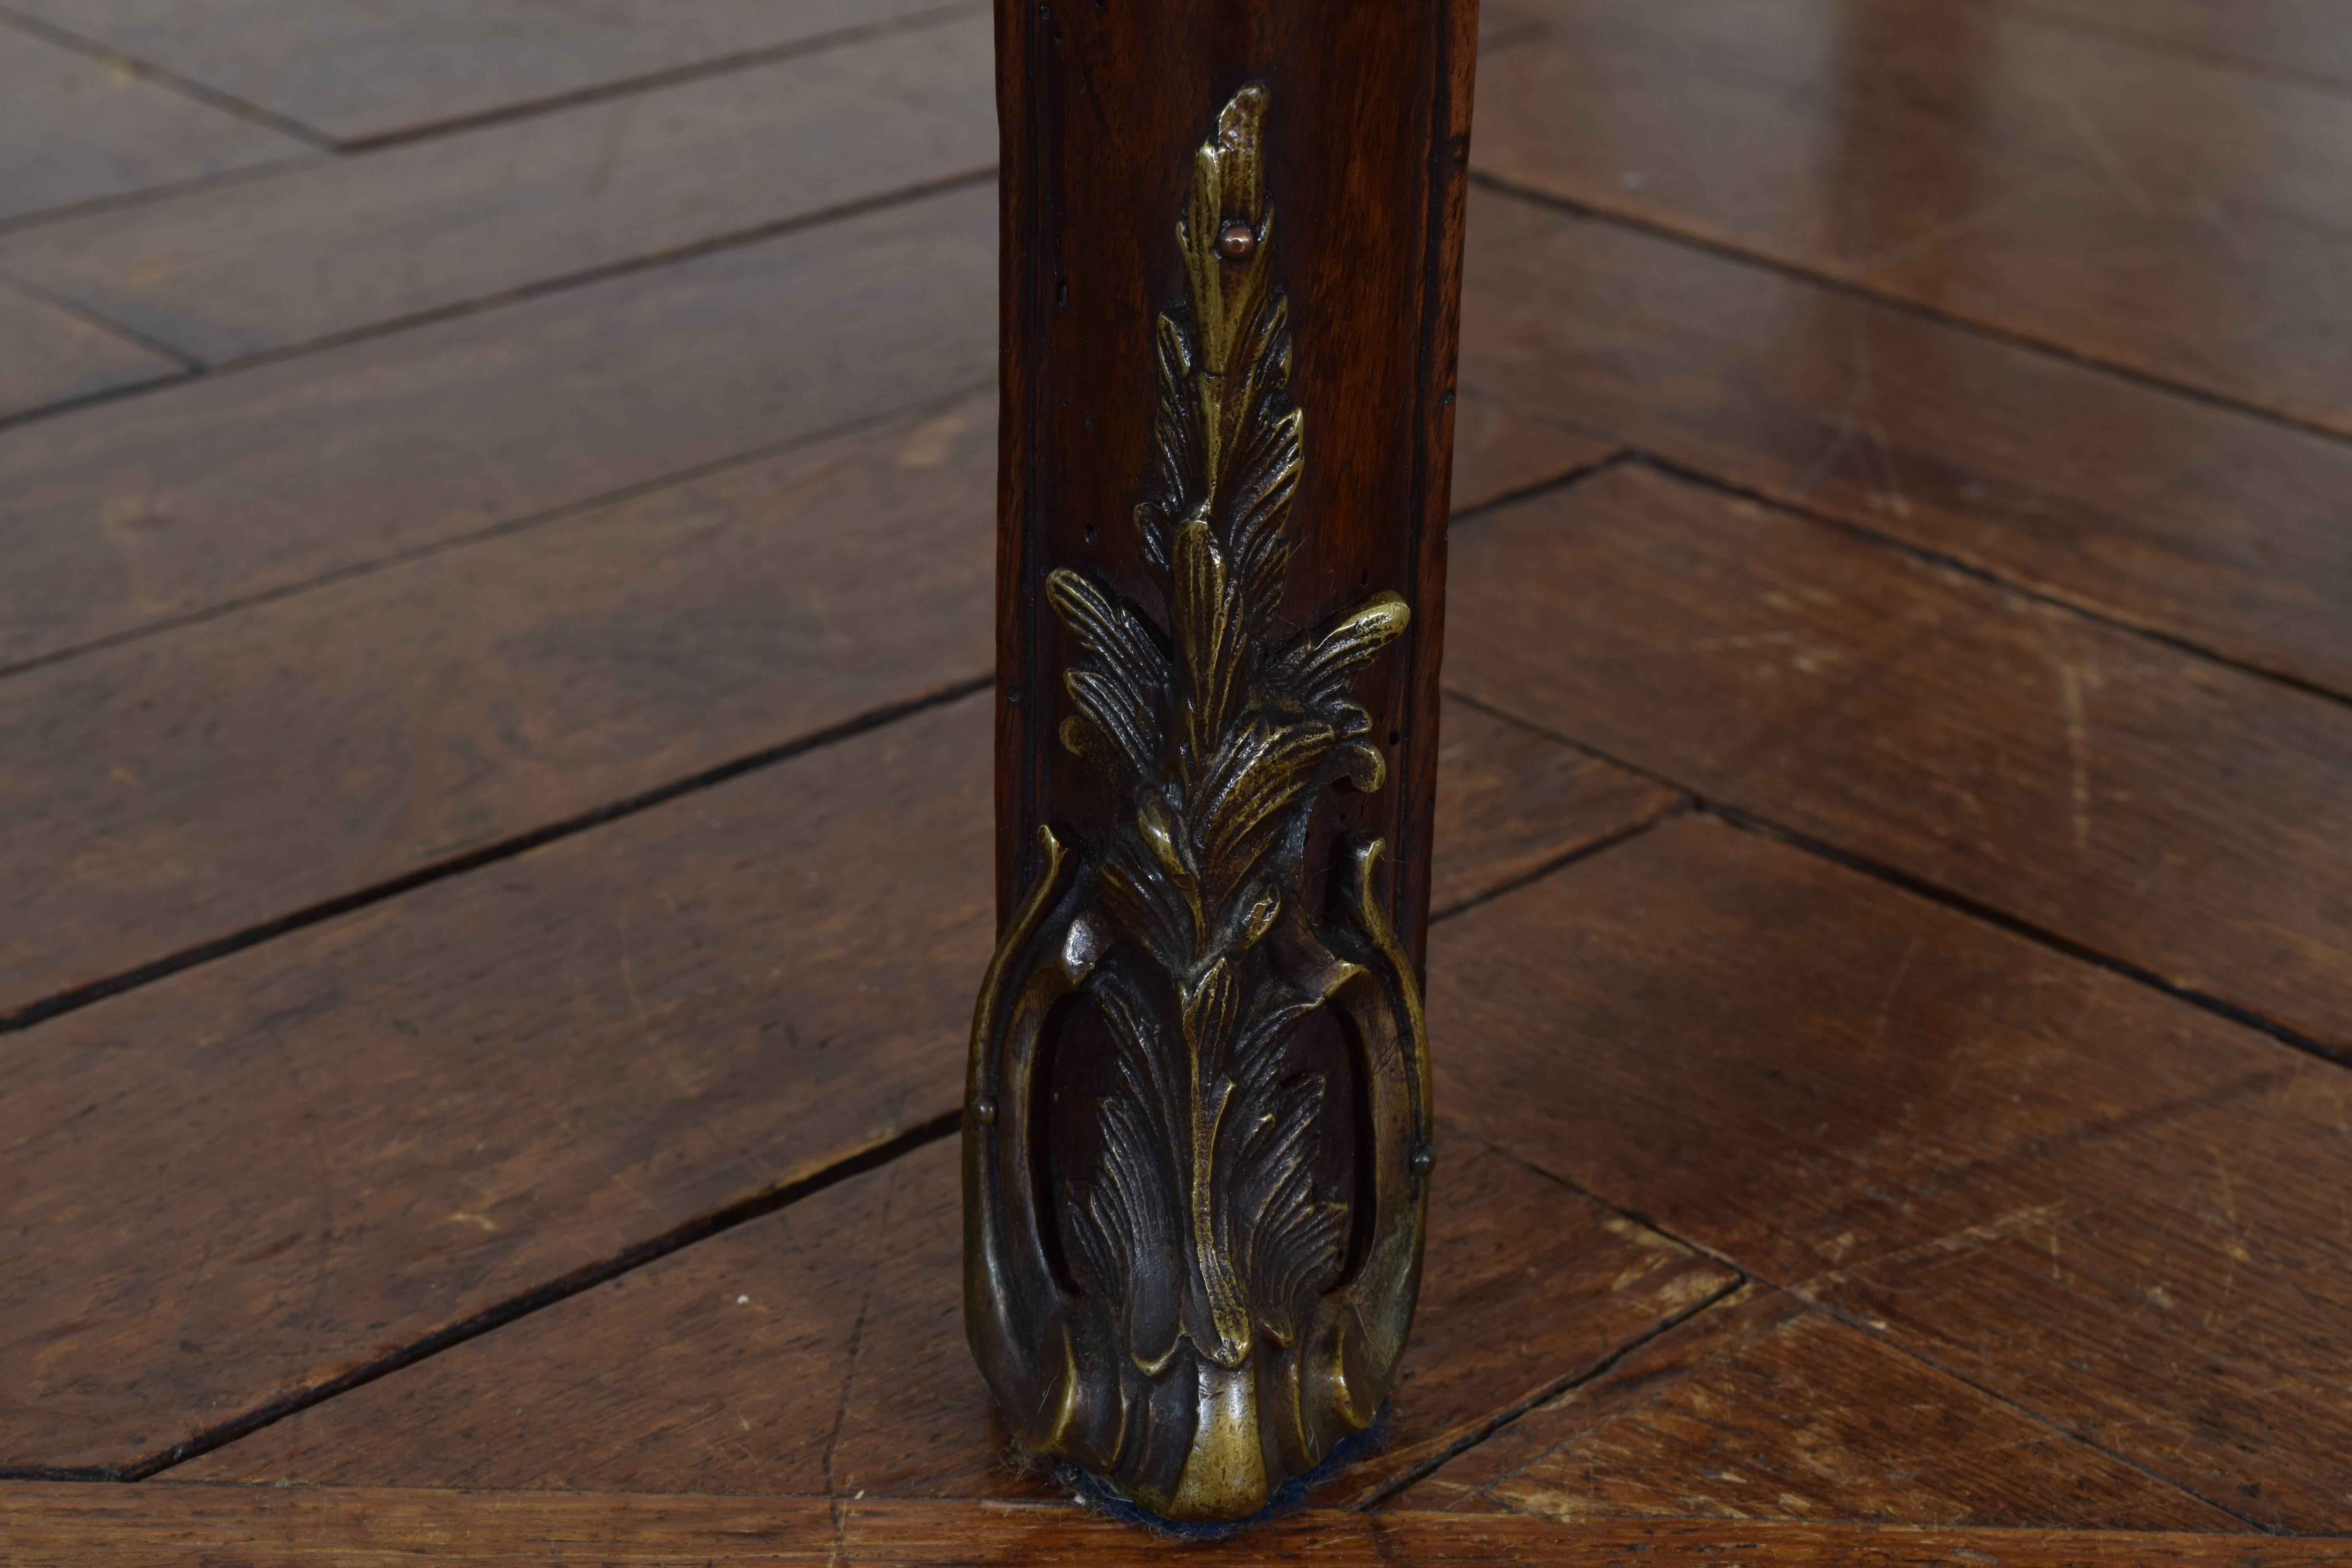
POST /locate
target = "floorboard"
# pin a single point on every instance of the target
(2102, 1206)
(852, 1378)
(49, 355)
(268, 1527)
(2300, 39)
(1759, 1408)
(2204, 523)
(229, 488)
(368, 1133)
(74, 131)
(2174, 815)
(2045, 182)
(494, 790)
(358, 71)
(333, 247)
(315, 1153)
(199, 783)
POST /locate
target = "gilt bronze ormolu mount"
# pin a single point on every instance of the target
(1205, 1308)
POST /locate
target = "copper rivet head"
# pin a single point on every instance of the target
(1236, 241)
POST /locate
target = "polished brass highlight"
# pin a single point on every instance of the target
(1203, 1313)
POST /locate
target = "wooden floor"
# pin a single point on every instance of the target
(494, 789)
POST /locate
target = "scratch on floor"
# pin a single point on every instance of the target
(1849, 417)
(2102, 151)
(2078, 747)
(1894, 984)
(1890, 489)
(2037, 1216)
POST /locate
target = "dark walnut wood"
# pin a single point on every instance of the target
(2294, 38)
(264, 265)
(2042, 181)
(339, 1163)
(197, 783)
(2207, 524)
(358, 72)
(272, 1527)
(2106, 1208)
(1758, 1407)
(822, 1351)
(200, 495)
(1512, 803)
(1198, 1135)
(49, 355)
(2148, 803)
(1500, 449)
(74, 130)
(354, 1136)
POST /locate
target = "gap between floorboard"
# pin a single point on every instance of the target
(523, 524)
(489, 854)
(586, 1277)
(1727, 251)
(1748, 821)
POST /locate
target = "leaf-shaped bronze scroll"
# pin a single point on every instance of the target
(1203, 1311)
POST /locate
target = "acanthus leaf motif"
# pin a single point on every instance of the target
(1205, 1195)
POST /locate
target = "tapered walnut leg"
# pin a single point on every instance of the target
(1197, 1144)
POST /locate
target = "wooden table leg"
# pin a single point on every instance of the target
(1197, 1139)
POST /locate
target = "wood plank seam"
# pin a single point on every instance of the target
(699, 71)
(1799, 1292)
(196, 185)
(1764, 828)
(499, 530)
(210, 1523)
(489, 854)
(210, 97)
(103, 323)
(497, 1314)
(586, 1277)
(1748, 821)
(938, 1126)
(1561, 480)
(1562, 862)
(538, 289)
(360, 148)
(2082, 26)
(2056, 21)
(1690, 474)
(1674, 469)
(1514, 1411)
(1726, 251)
